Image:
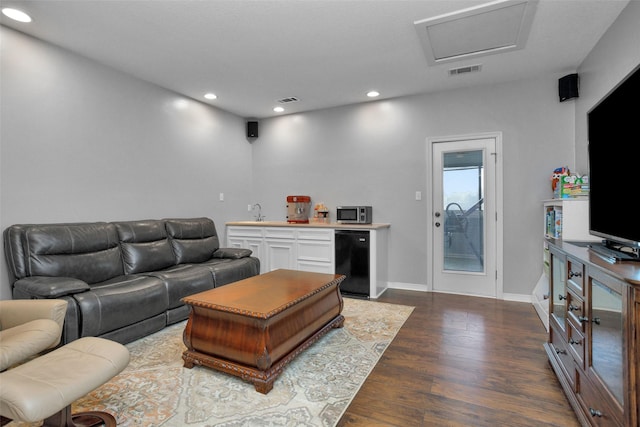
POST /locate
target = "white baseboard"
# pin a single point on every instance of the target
(407, 286)
(516, 297)
(423, 288)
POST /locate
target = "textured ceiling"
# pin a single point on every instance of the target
(326, 53)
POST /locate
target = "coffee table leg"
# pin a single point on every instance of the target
(263, 387)
(188, 360)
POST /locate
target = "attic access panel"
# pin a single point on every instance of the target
(499, 26)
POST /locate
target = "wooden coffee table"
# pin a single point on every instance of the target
(254, 327)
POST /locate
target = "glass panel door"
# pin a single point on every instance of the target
(463, 196)
(464, 218)
(606, 337)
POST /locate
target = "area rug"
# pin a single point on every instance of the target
(314, 390)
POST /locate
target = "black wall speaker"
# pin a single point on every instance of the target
(252, 129)
(568, 87)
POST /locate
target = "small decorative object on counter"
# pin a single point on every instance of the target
(557, 175)
(321, 213)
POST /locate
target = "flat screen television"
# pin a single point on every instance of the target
(614, 168)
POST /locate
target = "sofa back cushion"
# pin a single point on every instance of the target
(84, 251)
(192, 239)
(145, 246)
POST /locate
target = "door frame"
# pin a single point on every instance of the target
(498, 208)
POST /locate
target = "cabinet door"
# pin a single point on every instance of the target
(280, 248)
(255, 245)
(316, 267)
(280, 253)
(315, 250)
(606, 364)
(558, 290)
(634, 360)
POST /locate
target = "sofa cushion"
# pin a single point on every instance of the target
(120, 302)
(145, 246)
(88, 251)
(183, 280)
(228, 270)
(193, 240)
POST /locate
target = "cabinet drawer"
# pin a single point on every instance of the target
(575, 275)
(576, 311)
(576, 344)
(562, 354)
(255, 232)
(280, 233)
(598, 410)
(315, 234)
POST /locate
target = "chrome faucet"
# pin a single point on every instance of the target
(258, 216)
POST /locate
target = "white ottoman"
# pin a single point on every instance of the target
(44, 388)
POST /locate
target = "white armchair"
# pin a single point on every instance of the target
(40, 384)
(29, 327)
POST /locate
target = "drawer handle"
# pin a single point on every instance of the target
(596, 320)
(574, 307)
(595, 412)
(583, 319)
(561, 297)
(573, 274)
(572, 341)
(558, 351)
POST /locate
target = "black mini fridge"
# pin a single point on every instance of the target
(352, 260)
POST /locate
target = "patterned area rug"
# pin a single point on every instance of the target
(314, 390)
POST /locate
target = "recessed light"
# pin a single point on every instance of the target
(210, 95)
(373, 94)
(16, 14)
(278, 109)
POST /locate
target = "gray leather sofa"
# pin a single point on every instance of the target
(122, 280)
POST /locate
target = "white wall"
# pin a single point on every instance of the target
(375, 154)
(83, 142)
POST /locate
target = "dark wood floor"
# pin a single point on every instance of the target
(462, 361)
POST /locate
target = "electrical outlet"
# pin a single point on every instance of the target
(418, 195)
(249, 208)
(222, 197)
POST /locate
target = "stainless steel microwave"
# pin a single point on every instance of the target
(353, 214)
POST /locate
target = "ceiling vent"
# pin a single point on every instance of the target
(287, 100)
(496, 27)
(465, 70)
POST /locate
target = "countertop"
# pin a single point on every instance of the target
(311, 224)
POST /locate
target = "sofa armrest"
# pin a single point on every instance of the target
(20, 311)
(233, 253)
(50, 287)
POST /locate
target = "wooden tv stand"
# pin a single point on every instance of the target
(594, 344)
(254, 327)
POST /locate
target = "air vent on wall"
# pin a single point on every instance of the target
(287, 100)
(464, 70)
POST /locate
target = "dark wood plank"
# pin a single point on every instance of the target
(461, 361)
